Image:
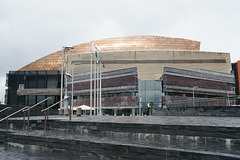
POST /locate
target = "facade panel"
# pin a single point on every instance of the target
(190, 88)
(238, 76)
(28, 88)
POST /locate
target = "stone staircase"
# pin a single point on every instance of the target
(108, 140)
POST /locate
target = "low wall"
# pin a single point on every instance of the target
(222, 111)
(98, 140)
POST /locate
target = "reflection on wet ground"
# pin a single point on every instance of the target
(20, 152)
(185, 142)
(161, 120)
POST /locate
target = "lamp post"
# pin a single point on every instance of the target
(73, 63)
(66, 49)
(140, 97)
(70, 109)
(193, 95)
(72, 75)
(228, 99)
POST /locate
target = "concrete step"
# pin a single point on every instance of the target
(107, 148)
(189, 141)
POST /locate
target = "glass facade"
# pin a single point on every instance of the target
(31, 80)
(150, 91)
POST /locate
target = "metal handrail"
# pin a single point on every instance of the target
(29, 108)
(44, 110)
(14, 113)
(197, 101)
(5, 109)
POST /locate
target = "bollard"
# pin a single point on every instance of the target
(79, 111)
(66, 112)
(60, 111)
(23, 121)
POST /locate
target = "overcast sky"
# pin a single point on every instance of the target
(31, 29)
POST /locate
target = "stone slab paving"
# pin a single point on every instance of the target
(161, 120)
(186, 143)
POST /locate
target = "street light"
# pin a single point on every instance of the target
(70, 112)
(73, 63)
(72, 75)
(193, 95)
(64, 49)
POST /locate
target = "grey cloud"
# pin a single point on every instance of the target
(32, 29)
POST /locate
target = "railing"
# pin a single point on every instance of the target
(7, 108)
(13, 114)
(45, 110)
(24, 109)
(201, 102)
(29, 108)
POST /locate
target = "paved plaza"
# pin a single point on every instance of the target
(161, 120)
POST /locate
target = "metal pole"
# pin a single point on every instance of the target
(45, 122)
(23, 121)
(97, 90)
(48, 110)
(61, 95)
(65, 95)
(94, 98)
(91, 83)
(228, 99)
(100, 98)
(28, 121)
(140, 98)
(193, 97)
(72, 94)
(7, 121)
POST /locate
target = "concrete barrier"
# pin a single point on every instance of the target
(79, 112)
(66, 112)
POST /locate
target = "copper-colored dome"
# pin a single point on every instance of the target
(131, 43)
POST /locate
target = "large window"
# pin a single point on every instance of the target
(41, 83)
(52, 81)
(32, 100)
(150, 91)
(30, 80)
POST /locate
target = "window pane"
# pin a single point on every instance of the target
(41, 81)
(39, 99)
(32, 81)
(52, 81)
(150, 85)
(158, 85)
(150, 96)
(32, 100)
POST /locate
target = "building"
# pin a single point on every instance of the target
(203, 88)
(144, 52)
(119, 91)
(236, 69)
(148, 54)
(27, 88)
(122, 91)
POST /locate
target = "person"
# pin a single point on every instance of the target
(150, 106)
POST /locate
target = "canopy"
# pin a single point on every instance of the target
(84, 107)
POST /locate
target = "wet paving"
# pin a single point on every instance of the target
(161, 120)
(13, 151)
(188, 143)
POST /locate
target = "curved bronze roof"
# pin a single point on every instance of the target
(131, 43)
